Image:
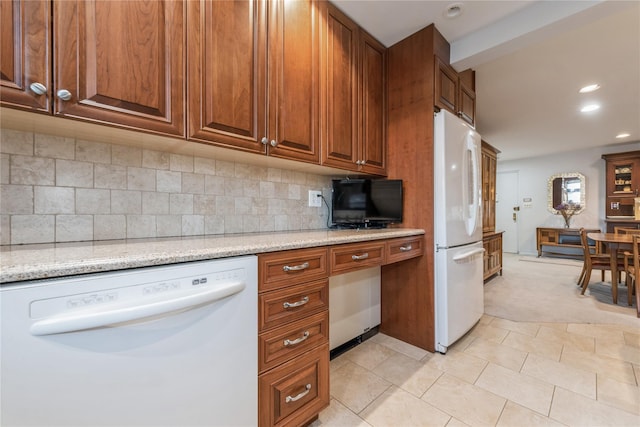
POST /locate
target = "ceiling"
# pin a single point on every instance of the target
(531, 58)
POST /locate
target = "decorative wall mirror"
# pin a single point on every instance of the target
(567, 188)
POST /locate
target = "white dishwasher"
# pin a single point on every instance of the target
(157, 346)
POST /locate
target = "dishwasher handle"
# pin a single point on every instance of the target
(132, 310)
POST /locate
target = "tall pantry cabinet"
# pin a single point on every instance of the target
(492, 240)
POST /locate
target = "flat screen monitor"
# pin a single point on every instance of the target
(366, 202)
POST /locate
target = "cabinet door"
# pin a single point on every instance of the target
(373, 139)
(446, 86)
(121, 63)
(226, 46)
(294, 78)
(466, 103)
(26, 55)
(341, 90)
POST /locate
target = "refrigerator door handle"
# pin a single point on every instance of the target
(473, 202)
(469, 254)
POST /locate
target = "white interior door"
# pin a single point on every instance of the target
(507, 209)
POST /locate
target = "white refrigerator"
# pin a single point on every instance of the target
(459, 299)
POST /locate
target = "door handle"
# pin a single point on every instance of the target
(515, 217)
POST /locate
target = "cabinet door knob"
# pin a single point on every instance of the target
(358, 162)
(64, 94)
(38, 88)
(273, 143)
(264, 140)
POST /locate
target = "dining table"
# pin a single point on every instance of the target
(614, 242)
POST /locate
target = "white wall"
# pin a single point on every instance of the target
(533, 176)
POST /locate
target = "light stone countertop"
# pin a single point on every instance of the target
(31, 262)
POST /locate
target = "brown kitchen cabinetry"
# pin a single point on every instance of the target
(355, 97)
(455, 91)
(293, 336)
(254, 73)
(25, 60)
(492, 240)
(622, 184)
(117, 63)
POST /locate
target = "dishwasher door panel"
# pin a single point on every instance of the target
(190, 366)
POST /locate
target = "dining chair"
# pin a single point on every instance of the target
(632, 270)
(593, 262)
(626, 230)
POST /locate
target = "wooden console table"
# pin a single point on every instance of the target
(562, 241)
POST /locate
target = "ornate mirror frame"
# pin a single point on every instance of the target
(561, 177)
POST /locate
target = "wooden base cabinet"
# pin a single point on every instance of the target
(293, 336)
(492, 243)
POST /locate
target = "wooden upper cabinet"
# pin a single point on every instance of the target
(25, 56)
(121, 62)
(294, 78)
(455, 91)
(226, 50)
(489, 167)
(354, 86)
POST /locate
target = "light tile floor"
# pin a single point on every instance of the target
(502, 373)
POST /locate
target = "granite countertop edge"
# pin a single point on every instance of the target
(19, 263)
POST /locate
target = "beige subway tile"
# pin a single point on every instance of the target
(226, 169)
(225, 205)
(155, 159)
(16, 199)
(281, 190)
(574, 409)
(632, 339)
(356, 387)
(601, 365)
(619, 394)
(516, 415)
(499, 354)
(93, 201)
(74, 228)
(259, 206)
(276, 207)
(110, 176)
(32, 170)
(168, 181)
(204, 166)
(274, 174)
(126, 156)
(204, 204)
(53, 200)
(608, 332)
(295, 192)
(214, 224)
(5, 168)
(214, 185)
(32, 229)
(525, 328)
(181, 204)
(181, 163)
(281, 222)
(267, 223)
(16, 142)
(70, 173)
(400, 346)
(246, 171)
(192, 225)
(539, 346)
(90, 151)
(294, 222)
(459, 364)
(233, 187)
(126, 202)
(57, 147)
(338, 415)
(251, 188)
(233, 224)
(407, 373)
(243, 205)
(193, 183)
(109, 227)
(169, 225)
(250, 223)
(581, 342)
(489, 333)
(620, 351)
(141, 179)
(561, 374)
(141, 226)
(155, 203)
(267, 190)
(5, 229)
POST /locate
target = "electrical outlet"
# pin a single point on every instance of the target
(315, 199)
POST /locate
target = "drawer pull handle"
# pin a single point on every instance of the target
(302, 266)
(303, 301)
(359, 257)
(306, 391)
(405, 248)
(304, 336)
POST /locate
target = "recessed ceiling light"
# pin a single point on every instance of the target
(589, 108)
(590, 88)
(623, 135)
(453, 10)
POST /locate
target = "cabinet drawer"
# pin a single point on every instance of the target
(280, 307)
(296, 391)
(355, 256)
(286, 342)
(404, 248)
(279, 269)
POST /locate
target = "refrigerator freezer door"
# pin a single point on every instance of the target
(459, 292)
(458, 187)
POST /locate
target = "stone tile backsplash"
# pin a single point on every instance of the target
(58, 189)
